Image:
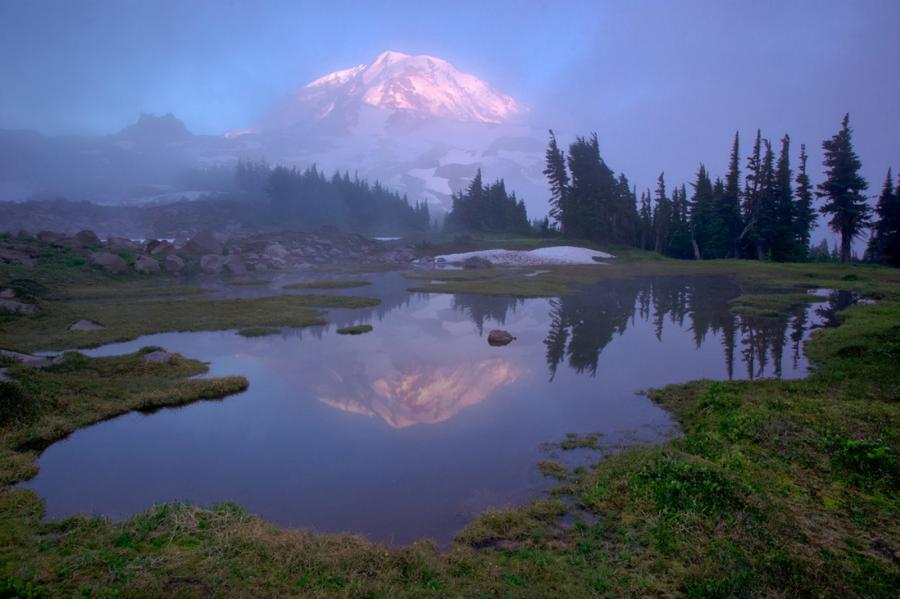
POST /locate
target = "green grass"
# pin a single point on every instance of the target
(327, 284)
(772, 305)
(357, 329)
(124, 321)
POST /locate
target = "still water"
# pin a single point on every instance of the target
(411, 430)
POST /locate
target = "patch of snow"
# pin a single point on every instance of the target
(561, 254)
(386, 238)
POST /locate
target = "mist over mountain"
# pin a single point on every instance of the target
(417, 124)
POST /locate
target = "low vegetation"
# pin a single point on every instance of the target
(258, 331)
(357, 329)
(327, 284)
(775, 488)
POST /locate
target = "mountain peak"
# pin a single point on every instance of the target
(419, 86)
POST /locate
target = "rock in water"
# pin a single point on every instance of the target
(499, 337)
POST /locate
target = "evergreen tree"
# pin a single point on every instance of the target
(750, 238)
(728, 209)
(646, 218)
(783, 248)
(804, 213)
(843, 187)
(767, 216)
(558, 178)
(884, 246)
(662, 216)
(704, 218)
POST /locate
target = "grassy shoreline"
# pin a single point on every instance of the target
(776, 488)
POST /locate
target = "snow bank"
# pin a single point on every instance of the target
(561, 254)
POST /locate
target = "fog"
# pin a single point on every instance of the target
(665, 85)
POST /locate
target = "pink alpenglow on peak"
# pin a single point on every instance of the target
(423, 86)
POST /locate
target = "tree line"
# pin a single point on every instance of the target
(770, 217)
(487, 208)
(308, 198)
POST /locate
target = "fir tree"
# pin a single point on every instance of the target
(662, 216)
(782, 243)
(728, 208)
(884, 246)
(843, 187)
(558, 178)
(750, 238)
(804, 213)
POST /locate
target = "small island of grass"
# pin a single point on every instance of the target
(357, 329)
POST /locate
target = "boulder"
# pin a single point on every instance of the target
(108, 262)
(146, 265)
(68, 242)
(499, 337)
(86, 325)
(234, 265)
(7, 293)
(173, 264)
(203, 243)
(212, 263)
(159, 357)
(160, 248)
(11, 255)
(275, 250)
(7, 305)
(50, 236)
(87, 237)
(122, 244)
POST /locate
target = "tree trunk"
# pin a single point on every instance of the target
(846, 246)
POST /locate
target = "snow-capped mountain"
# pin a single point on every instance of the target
(416, 123)
(421, 87)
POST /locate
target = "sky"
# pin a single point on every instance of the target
(664, 84)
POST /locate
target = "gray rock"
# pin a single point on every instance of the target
(161, 248)
(87, 237)
(173, 264)
(86, 325)
(500, 337)
(234, 265)
(159, 357)
(212, 263)
(50, 236)
(146, 265)
(7, 305)
(276, 250)
(119, 244)
(108, 262)
(68, 242)
(7, 293)
(203, 243)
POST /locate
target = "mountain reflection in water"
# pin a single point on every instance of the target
(410, 430)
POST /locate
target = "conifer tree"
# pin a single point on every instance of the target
(884, 246)
(804, 213)
(662, 216)
(558, 178)
(782, 248)
(750, 238)
(843, 189)
(728, 207)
